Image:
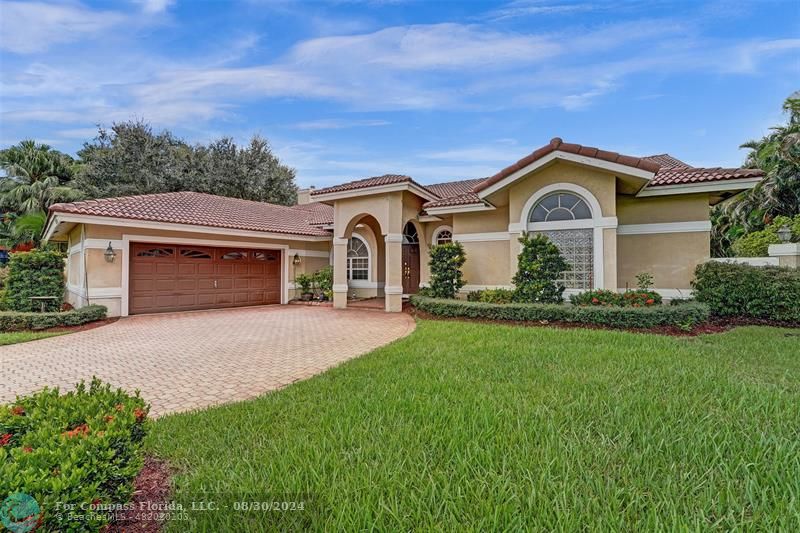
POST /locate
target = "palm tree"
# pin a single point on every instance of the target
(36, 177)
(21, 230)
(778, 154)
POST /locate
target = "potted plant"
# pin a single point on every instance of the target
(323, 281)
(303, 283)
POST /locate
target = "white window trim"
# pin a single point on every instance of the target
(126, 250)
(597, 223)
(441, 229)
(360, 283)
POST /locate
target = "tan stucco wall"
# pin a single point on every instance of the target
(601, 184)
(670, 257)
(481, 221)
(487, 263)
(661, 209)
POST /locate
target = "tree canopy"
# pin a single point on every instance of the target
(129, 159)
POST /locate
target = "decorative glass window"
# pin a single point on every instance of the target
(235, 256)
(357, 259)
(410, 234)
(190, 253)
(577, 247)
(265, 256)
(156, 252)
(560, 206)
(443, 236)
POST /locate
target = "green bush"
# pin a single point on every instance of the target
(303, 282)
(323, 280)
(732, 289)
(682, 316)
(82, 448)
(445, 264)
(539, 265)
(629, 298)
(15, 321)
(34, 273)
(492, 296)
(756, 244)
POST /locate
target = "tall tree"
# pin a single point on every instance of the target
(131, 159)
(36, 176)
(778, 154)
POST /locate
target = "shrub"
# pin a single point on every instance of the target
(682, 316)
(756, 243)
(538, 266)
(732, 289)
(303, 282)
(323, 280)
(644, 281)
(34, 273)
(445, 263)
(630, 298)
(492, 296)
(14, 321)
(82, 448)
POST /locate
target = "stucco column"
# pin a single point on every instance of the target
(394, 275)
(609, 258)
(339, 272)
(514, 248)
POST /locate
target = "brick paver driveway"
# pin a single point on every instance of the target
(184, 361)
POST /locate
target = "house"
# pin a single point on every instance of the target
(612, 216)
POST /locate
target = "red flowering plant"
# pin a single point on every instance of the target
(45, 432)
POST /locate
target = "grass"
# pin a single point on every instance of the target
(481, 427)
(24, 336)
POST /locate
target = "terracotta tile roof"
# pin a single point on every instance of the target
(460, 199)
(375, 181)
(685, 175)
(318, 213)
(202, 210)
(453, 188)
(557, 144)
(666, 161)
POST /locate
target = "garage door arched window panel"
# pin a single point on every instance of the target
(234, 255)
(559, 207)
(156, 252)
(358, 259)
(266, 256)
(195, 253)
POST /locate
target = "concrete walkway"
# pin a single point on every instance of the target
(184, 361)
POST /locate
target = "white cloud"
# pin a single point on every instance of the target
(154, 6)
(29, 27)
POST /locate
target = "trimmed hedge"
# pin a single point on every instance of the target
(81, 448)
(34, 273)
(682, 316)
(631, 298)
(14, 321)
(733, 289)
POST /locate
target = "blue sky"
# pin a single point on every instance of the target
(439, 91)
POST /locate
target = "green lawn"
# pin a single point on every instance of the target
(480, 427)
(24, 336)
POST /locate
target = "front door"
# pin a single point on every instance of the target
(410, 268)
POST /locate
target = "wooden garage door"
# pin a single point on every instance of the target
(166, 277)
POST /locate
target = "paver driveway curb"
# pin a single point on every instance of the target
(185, 361)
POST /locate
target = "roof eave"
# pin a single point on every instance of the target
(740, 184)
(375, 189)
(608, 166)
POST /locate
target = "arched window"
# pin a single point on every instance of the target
(560, 206)
(443, 235)
(357, 259)
(410, 234)
(566, 219)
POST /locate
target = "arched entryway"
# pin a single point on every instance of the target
(411, 259)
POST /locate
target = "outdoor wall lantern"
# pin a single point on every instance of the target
(296, 259)
(110, 254)
(785, 234)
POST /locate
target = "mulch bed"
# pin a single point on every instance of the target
(82, 327)
(715, 325)
(151, 490)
